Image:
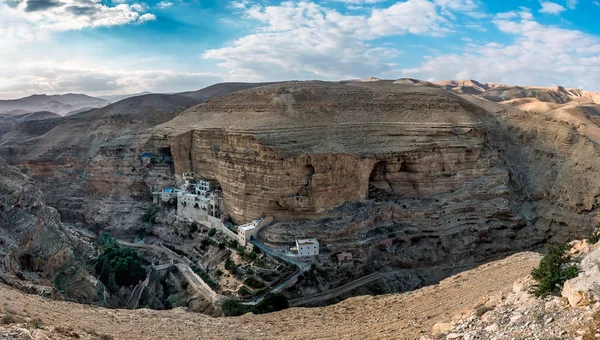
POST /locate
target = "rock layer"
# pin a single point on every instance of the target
(301, 149)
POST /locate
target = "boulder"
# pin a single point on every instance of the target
(577, 298)
(441, 328)
(524, 284)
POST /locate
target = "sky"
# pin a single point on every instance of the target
(102, 47)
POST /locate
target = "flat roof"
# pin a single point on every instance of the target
(247, 227)
(308, 241)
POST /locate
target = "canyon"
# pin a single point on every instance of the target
(415, 180)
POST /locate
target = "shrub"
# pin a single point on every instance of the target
(7, 319)
(271, 303)
(105, 240)
(553, 271)
(252, 256)
(212, 232)
(244, 291)
(234, 308)
(233, 244)
(150, 215)
(594, 237)
(253, 282)
(37, 323)
(229, 264)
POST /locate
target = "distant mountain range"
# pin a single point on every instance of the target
(59, 104)
(117, 97)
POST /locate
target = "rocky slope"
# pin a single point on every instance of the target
(38, 254)
(396, 316)
(518, 314)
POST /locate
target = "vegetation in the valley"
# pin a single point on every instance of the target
(117, 266)
(271, 303)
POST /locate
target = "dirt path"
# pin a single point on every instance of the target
(396, 316)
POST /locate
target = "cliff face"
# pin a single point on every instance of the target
(37, 253)
(87, 163)
(401, 176)
(299, 150)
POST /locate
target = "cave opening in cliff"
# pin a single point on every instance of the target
(379, 187)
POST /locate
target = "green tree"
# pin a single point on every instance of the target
(120, 267)
(553, 271)
(212, 232)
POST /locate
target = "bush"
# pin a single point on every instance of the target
(244, 291)
(234, 308)
(594, 238)
(37, 323)
(212, 232)
(233, 244)
(553, 271)
(252, 256)
(229, 264)
(271, 303)
(150, 215)
(105, 240)
(7, 319)
(253, 282)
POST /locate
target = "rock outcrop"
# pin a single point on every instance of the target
(37, 253)
(518, 314)
(300, 149)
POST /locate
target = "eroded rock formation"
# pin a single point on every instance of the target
(301, 149)
(37, 253)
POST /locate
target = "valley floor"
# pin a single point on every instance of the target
(396, 316)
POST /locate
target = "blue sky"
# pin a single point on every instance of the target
(127, 46)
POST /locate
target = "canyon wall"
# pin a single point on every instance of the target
(299, 150)
(37, 253)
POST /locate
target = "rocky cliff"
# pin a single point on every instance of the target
(403, 176)
(37, 253)
(300, 149)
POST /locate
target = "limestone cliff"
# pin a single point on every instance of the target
(300, 149)
(37, 253)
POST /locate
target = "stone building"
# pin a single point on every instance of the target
(307, 247)
(248, 232)
(198, 198)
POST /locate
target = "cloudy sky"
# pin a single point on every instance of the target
(104, 47)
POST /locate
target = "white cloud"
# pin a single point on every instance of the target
(23, 20)
(304, 40)
(572, 4)
(80, 76)
(551, 8)
(539, 55)
(164, 4)
(146, 17)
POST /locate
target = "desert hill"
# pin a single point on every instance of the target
(60, 104)
(396, 316)
(220, 89)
